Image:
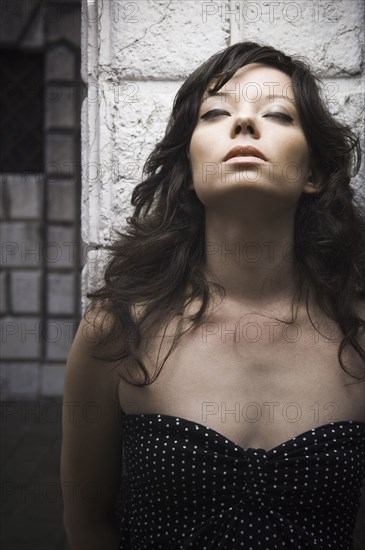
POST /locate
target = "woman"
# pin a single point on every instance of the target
(243, 268)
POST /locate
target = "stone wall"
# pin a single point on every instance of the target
(40, 219)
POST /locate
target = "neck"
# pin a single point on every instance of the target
(252, 259)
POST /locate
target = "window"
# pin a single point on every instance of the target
(21, 111)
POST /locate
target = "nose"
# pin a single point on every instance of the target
(245, 125)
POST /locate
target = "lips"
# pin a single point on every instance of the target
(244, 151)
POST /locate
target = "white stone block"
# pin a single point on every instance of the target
(136, 115)
(156, 39)
(346, 100)
(164, 39)
(97, 120)
(327, 33)
(92, 276)
(89, 37)
(345, 97)
(140, 125)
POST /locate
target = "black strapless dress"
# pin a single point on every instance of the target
(184, 485)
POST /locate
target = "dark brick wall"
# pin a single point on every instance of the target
(40, 213)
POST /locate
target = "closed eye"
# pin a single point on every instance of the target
(282, 116)
(214, 113)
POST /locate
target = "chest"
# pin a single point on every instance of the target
(254, 379)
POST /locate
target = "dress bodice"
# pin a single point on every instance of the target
(184, 485)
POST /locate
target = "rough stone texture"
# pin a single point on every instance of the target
(24, 193)
(137, 27)
(52, 379)
(135, 117)
(60, 298)
(58, 337)
(96, 123)
(329, 34)
(61, 201)
(92, 273)
(60, 107)
(25, 291)
(21, 244)
(347, 103)
(20, 337)
(60, 64)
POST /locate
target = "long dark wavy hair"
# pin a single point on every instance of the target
(157, 259)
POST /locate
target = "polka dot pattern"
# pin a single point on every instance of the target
(184, 485)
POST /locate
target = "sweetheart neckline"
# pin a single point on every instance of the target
(245, 449)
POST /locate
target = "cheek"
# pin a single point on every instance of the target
(198, 156)
(202, 145)
(297, 154)
(196, 149)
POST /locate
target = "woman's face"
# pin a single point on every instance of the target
(257, 110)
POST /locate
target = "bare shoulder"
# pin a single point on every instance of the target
(93, 343)
(91, 438)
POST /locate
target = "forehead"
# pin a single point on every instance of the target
(266, 80)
